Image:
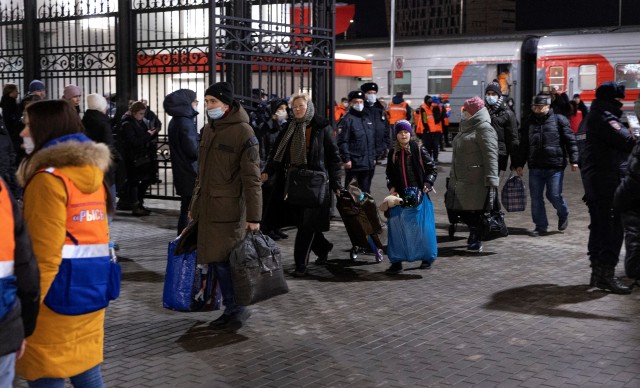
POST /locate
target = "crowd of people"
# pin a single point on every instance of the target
(234, 177)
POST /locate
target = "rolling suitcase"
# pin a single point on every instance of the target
(360, 216)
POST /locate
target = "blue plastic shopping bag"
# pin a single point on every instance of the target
(412, 233)
(187, 285)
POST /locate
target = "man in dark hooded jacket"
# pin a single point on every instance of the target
(605, 144)
(183, 144)
(503, 120)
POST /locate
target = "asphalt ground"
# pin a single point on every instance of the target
(519, 314)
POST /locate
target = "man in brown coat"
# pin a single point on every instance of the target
(227, 199)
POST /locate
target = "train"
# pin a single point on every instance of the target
(572, 62)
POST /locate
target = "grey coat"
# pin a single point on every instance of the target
(228, 189)
(475, 163)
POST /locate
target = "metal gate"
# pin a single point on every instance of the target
(145, 49)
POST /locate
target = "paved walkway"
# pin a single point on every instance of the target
(520, 314)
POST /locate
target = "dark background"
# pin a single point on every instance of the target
(370, 19)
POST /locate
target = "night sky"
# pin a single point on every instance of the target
(530, 15)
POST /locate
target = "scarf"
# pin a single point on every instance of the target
(495, 107)
(295, 134)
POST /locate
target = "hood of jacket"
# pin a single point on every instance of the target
(474, 121)
(397, 100)
(236, 116)
(178, 103)
(83, 162)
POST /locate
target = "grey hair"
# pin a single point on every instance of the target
(304, 96)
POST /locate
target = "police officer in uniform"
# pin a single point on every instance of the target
(374, 109)
(358, 143)
(605, 144)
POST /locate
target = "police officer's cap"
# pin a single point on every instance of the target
(369, 86)
(356, 94)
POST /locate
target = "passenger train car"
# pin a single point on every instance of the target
(459, 68)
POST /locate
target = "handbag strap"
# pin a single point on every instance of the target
(404, 171)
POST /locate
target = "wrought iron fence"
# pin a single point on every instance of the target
(145, 49)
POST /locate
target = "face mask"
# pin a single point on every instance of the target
(371, 98)
(345, 104)
(215, 113)
(540, 114)
(358, 107)
(491, 100)
(281, 116)
(28, 144)
(447, 105)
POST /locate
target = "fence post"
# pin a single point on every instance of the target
(126, 79)
(31, 43)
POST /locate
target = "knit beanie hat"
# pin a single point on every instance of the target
(609, 91)
(427, 98)
(402, 125)
(96, 102)
(36, 85)
(275, 104)
(473, 105)
(494, 87)
(223, 91)
(71, 91)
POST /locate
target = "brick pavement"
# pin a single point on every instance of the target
(520, 314)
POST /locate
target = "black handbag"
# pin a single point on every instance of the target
(305, 188)
(492, 223)
(256, 269)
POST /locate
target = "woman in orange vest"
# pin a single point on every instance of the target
(430, 126)
(71, 244)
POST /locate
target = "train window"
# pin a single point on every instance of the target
(556, 77)
(402, 84)
(587, 77)
(439, 81)
(628, 74)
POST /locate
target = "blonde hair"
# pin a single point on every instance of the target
(304, 96)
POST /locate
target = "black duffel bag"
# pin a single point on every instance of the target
(305, 188)
(256, 269)
(492, 224)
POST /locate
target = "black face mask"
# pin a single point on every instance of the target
(540, 115)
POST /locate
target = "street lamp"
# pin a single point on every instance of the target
(347, 30)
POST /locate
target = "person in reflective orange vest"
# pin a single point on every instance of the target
(340, 109)
(429, 124)
(19, 286)
(445, 123)
(70, 241)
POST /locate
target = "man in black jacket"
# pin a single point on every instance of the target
(546, 141)
(503, 120)
(605, 144)
(358, 142)
(19, 286)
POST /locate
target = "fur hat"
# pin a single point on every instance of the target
(96, 102)
(402, 125)
(609, 91)
(494, 87)
(223, 91)
(473, 105)
(36, 85)
(71, 91)
(369, 86)
(356, 94)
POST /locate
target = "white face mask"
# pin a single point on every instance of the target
(281, 116)
(215, 113)
(28, 144)
(447, 105)
(371, 98)
(345, 104)
(491, 100)
(358, 107)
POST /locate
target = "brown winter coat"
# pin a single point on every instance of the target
(228, 190)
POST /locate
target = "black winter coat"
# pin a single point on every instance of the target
(8, 162)
(627, 202)
(267, 136)
(395, 177)
(358, 140)
(322, 156)
(136, 143)
(21, 321)
(605, 144)
(12, 114)
(503, 120)
(378, 115)
(98, 127)
(183, 140)
(546, 142)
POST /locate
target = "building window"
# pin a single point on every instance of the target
(587, 77)
(400, 85)
(556, 78)
(439, 82)
(628, 74)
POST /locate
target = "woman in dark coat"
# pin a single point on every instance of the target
(183, 144)
(627, 203)
(11, 114)
(306, 142)
(98, 127)
(137, 142)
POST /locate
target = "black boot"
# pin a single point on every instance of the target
(139, 211)
(606, 280)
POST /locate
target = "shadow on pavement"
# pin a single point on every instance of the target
(199, 338)
(139, 274)
(462, 251)
(546, 299)
(338, 273)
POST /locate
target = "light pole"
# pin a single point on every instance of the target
(392, 74)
